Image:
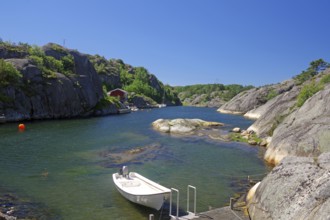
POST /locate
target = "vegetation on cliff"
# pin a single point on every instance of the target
(50, 82)
(49, 65)
(202, 94)
(315, 83)
(135, 80)
(56, 82)
(315, 67)
(8, 74)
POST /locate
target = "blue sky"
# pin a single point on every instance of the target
(182, 42)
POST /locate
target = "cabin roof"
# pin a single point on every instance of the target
(121, 90)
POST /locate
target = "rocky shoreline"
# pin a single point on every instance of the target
(13, 207)
(54, 82)
(297, 188)
(296, 134)
(298, 141)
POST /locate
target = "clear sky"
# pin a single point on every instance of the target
(182, 42)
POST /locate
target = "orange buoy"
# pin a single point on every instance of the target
(21, 127)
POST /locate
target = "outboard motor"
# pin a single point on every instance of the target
(124, 171)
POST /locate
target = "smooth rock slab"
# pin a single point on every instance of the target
(298, 188)
(182, 126)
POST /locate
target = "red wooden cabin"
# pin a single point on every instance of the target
(122, 94)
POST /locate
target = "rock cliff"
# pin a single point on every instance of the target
(199, 101)
(299, 185)
(305, 132)
(298, 188)
(269, 115)
(55, 82)
(253, 98)
(294, 130)
(59, 95)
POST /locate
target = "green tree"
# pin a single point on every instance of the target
(315, 67)
(318, 66)
(142, 74)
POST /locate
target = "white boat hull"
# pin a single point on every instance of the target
(140, 190)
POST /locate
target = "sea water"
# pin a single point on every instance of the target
(64, 164)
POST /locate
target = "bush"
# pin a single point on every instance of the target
(49, 65)
(36, 51)
(40, 63)
(58, 48)
(68, 64)
(53, 64)
(8, 74)
(105, 102)
(13, 48)
(271, 94)
(308, 91)
(325, 79)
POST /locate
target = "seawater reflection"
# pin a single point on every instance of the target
(64, 164)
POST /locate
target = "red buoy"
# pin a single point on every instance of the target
(21, 127)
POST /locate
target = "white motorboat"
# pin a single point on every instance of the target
(139, 189)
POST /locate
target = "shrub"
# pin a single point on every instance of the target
(49, 65)
(271, 94)
(104, 102)
(325, 79)
(40, 63)
(53, 64)
(13, 48)
(36, 51)
(8, 74)
(58, 48)
(308, 91)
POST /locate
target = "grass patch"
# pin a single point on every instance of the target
(308, 91)
(241, 138)
(105, 102)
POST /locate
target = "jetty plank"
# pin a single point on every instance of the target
(223, 213)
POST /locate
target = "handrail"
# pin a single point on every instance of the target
(188, 200)
(177, 202)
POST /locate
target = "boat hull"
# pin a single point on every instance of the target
(152, 200)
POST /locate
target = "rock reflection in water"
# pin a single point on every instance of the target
(136, 155)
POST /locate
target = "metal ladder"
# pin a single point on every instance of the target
(191, 215)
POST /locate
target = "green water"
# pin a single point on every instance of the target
(78, 182)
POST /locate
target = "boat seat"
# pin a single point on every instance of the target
(130, 183)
